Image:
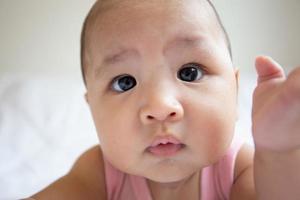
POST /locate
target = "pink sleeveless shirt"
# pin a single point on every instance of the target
(216, 180)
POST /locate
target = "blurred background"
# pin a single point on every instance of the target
(45, 123)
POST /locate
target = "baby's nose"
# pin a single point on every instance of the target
(161, 109)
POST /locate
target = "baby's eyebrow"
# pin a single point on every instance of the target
(184, 41)
(180, 42)
(120, 55)
(114, 58)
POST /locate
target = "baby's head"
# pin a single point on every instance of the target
(159, 69)
(103, 6)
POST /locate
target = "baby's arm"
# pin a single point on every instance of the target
(276, 131)
(243, 187)
(84, 181)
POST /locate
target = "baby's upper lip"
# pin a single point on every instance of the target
(164, 140)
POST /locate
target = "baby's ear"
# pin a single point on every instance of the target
(237, 77)
(237, 82)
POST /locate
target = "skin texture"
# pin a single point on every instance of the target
(140, 40)
(151, 43)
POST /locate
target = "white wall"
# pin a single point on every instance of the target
(269, 27)
(43, 36)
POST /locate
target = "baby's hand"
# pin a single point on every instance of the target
(276, 107)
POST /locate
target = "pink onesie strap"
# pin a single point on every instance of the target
(113, 179)
(140, 188)
(217, 179)
(122, 186)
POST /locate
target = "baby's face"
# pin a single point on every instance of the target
(161, 68)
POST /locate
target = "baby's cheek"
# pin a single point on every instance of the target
(214, 146)
(117, 146)
(212, 135)
(115, 152)
(223, 139)
(219, 147)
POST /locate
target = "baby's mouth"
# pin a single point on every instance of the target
(165, 146)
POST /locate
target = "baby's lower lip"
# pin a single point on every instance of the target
(165, 150)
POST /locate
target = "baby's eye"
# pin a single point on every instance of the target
(123, 83)
(190, 72)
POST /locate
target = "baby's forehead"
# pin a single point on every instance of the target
(116, 12)
(102, 7)
(104, 13)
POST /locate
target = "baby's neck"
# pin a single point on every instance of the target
(188, 188)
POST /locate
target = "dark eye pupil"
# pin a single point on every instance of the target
(188, 74)
(126, 83)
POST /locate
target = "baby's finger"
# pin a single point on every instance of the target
(267, 69)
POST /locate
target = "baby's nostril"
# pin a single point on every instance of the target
(172, 114)
(150, 117)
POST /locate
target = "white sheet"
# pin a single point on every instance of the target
(44, 125)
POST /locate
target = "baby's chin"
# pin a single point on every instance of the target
(170, 180)
(174, 179)
(170, 174)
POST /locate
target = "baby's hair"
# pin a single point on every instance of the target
(91, 15)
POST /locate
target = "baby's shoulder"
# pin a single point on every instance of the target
(244, 159)
(243, 186)
(89, 168)
(85, 180)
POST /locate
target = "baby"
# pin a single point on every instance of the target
(162, 91)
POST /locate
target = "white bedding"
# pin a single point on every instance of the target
(45, 124)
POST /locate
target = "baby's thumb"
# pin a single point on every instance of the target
(267, 69)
